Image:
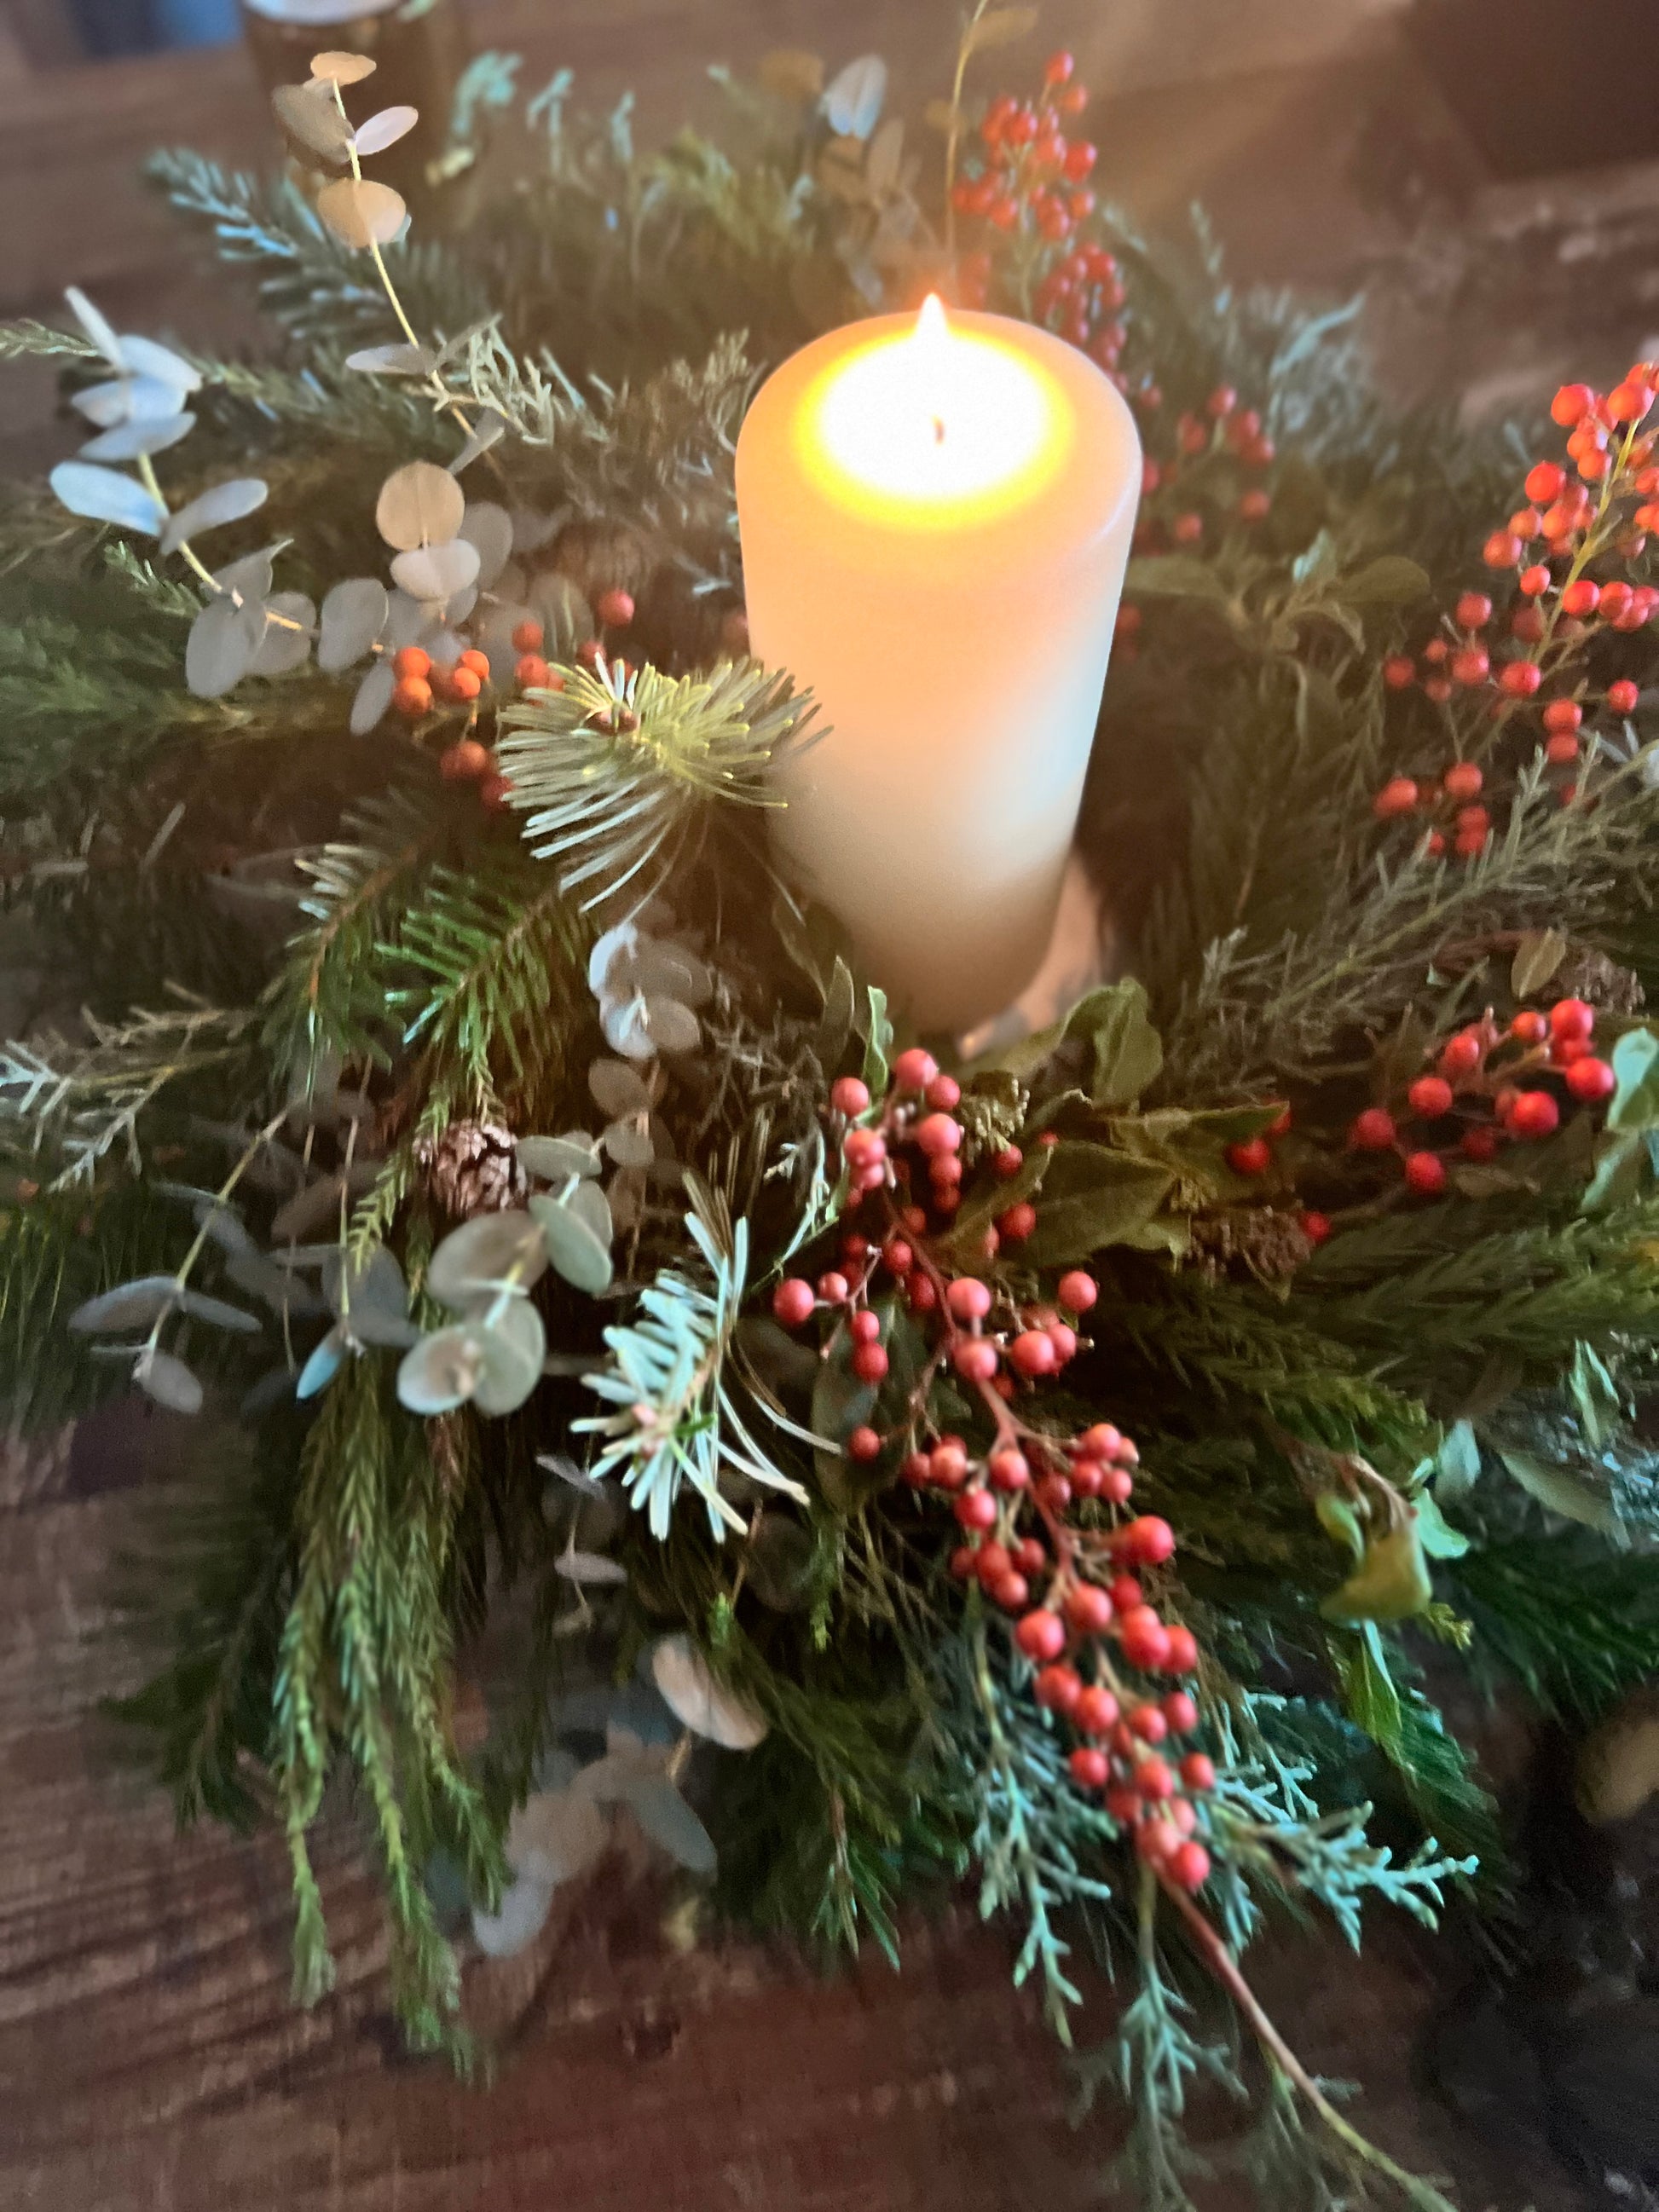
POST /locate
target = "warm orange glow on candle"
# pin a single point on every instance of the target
(934, 426)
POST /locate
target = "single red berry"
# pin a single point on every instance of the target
(1570, 404)
(976, 1509)
(1053, 1493)
(975, 1359)
(465, 761)
(1545, 481)
(948, 1463)
(1253, 1156)
(1398, 796)
(1561, 750)
(1030, 1556)
(864, 1443)
(1188, 529)
(1563, 714)
(1181, 1655)
(1629, 402)
(1533, 581)
(465, 683)
(1146, 1543)
(1155, 1779)
(1059, 68)
(961, 1563)
(1316, 1227)
(1149, 1724)
(1529, 1027)
(848, 1095)
(1089, 1609)
(1400, 672)
(864, 1148)
(1373, 1131)
(914, 1070)
(1571, 1017)
(1463, 781)
(869, 1362)
(615, 608)
(1144, 1639)
(1180, 1712)
(1125, 1594)
(1461, 1055)
(1581, 597)
(939, 1134)
(1480, 1143)
(1059, 1688)
(528, 637)
(1256, 505)
(1590, 1080)
(1096, 1711)
(1520, 680)
(1503, 549)
(1623, 695)
(917, 1471)
(833, 1288)
(495, 793)
(1041, 1635)
(1017, 1222)
(1090, 1769)
(531, 673)
(1534, 1114)
(1008, 1162)
(1063, 1338)
(1425, 1172)
(1198, 1773)
(1009, 1469)
(1032, 1354)
(1617, 600)
(1431, 1096)
(944, 1092)
(1470, 665)
(793, 1301)
(1188, 1866)
(1473, 611)
(968, 1298)
(1076, 1291)
(411, 695)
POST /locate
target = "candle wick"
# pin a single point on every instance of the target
(938, 429)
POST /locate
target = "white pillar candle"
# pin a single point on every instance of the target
(935, 519)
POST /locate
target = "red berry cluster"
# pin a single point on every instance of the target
(424, 686)
(1042, 1519)
(1484, 1091)
(1529, 656)
(1033, 179)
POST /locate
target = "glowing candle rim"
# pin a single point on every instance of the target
(860, 426)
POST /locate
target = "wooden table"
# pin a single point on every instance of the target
(149, 2060)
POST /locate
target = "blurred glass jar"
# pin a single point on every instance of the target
(418, 48)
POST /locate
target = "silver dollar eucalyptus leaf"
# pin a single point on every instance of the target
(248, 578)
(518, 1921)
(353, 1282)
(337, 68)
(419, 504)
(580, 1256)
(128, 440)
(437, 572)
(127, 399)
(169, 1381)
(360, 212)
(143, 357)
(489, 528)
(557, 1835)
(488, 428)
(106, 495)
(222, 503)
(618, 1089)
(495, 1367)
(553, 1158)
(629, 1144)
(290, 618)
(669, 1820)
(590, 1567)
(392, 360)
(475, 1258)
(851, 100)
(308, 113)
(643, 1027)
(218, 1313)
(384, 130)
(353, 616)
(698, 1701)
(223, 640)
(136, 1304)
(92, 321)
(373, 696)
(324, 1365)
(589, 1204)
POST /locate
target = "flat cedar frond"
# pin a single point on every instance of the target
(613, 772)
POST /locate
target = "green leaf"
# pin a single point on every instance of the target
(835, 1027)
(1439, 1538)
(1635, 1101)
(553, 1158)
(1596, 1396)
(1173, 576)
(1391, 581)
(1339, 1521)
(1391, 1583)
(1560, 1490)
(484, 1253)
(1623, 1162)
(572, 1245)
(1368, 1696)
(1537, 957)
(1127, 1051)
(1092, 1196)
(877, 1042)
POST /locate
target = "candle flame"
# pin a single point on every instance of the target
(931, 324)
(931, 337)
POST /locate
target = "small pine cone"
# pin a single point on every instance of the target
(604, 556)
(1588, 975)
(471, 1168)
(1267, 1241)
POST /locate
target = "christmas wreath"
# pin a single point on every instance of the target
(1064, 1472)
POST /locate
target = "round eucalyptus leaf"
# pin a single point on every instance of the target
(515, 1346)
(437, 572)
(407, 623)
(290, 618)
(629, 1144)
(557, 1159)
(654, 969)
(248, 578)
(106, 404)
(309, 114)
(384, 130)
(671, 1026)
(324, 1365)
(420, 504)
(128, 440)
(618, 1089)
(360, 212)
(622, 1021)
(372, 698)
(669, 1820)
(489, 527)
(516, 1921)
(483, 1253)
(556, 1836)
(614, 945)
(698, 1701)
(590, 1567)
(106, 495)
(353, 616)
(219, 504)
(441, 1371)
(579, 1255)
(337, 68)
(136, 1304)
(392, 360)
(352, 1283)
(218, 1313)
(159, 364)
(589, 1204)
(367, 1326)
(169, 1381)
(222, 642)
